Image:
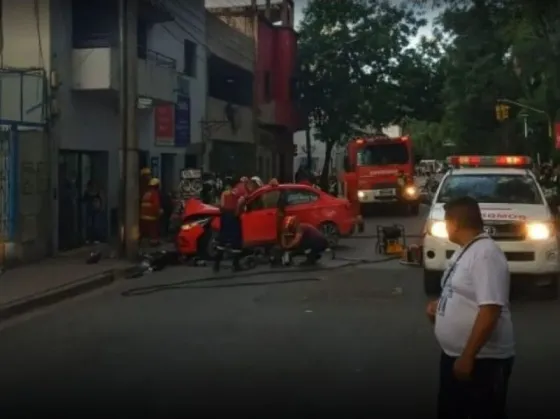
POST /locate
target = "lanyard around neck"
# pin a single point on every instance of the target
(449, 272)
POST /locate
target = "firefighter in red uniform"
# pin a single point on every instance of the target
(230, 226)
(150, 213)
(303, 239)
(145, 177)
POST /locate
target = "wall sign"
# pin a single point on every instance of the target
(164, 122)
(183, 121)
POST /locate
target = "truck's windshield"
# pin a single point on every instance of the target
(491, 189)
(383, 153)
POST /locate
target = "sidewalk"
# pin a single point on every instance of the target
(50, 281)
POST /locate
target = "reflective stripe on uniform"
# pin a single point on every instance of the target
(148, 218)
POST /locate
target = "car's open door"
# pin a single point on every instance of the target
(259, 219)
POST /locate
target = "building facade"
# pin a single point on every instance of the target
(75, 46)
(229, 126)
(270, 24)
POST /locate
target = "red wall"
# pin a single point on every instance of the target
(277, 55)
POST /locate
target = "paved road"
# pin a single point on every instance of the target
(351, 341)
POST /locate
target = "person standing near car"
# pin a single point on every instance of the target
(472, 320)
(230, 233)
(150, 213)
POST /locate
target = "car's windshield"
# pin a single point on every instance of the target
(494, 189)
(383, 153)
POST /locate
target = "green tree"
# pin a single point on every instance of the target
(350, 65)
(500, 49)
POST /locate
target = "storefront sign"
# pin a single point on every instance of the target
(164, 122)
(183, 121)
(557, 135)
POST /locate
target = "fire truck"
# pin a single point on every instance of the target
(379, 170)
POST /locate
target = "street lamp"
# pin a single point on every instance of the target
(530, 108)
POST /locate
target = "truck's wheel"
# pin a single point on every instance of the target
(432, 283)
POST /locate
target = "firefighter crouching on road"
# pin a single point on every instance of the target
(150, 213)
(303, 239)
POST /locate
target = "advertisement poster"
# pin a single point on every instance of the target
(183, 121)
(164, 122)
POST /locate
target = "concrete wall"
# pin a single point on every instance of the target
(89, 121)
(167, 38)
(26, 27)
(229, 43)
(222, 129)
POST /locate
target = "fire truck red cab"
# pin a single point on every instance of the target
(379, 170)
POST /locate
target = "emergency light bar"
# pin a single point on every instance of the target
(490, 161)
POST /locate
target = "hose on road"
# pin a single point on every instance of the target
(375, 236)
(151, 289)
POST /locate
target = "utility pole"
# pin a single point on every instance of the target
(254, 18)
(128, 58)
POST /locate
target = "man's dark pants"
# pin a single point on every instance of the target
(481, 397)
(231, 236)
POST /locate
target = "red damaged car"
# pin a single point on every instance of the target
(201, 222)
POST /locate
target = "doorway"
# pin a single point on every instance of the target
(75, 170)
(168, 181)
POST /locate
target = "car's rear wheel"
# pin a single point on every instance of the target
(331, 233)
(207, 244)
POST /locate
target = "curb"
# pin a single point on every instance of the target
(64, 292)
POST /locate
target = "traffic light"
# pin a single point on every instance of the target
(502, 112)
(295, 150)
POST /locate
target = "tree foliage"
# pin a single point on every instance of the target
(356, 67)
(359, 69)
(499, 49)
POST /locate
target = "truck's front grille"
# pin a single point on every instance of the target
(506, 231)
(386, 185)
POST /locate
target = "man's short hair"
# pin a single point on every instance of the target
(465, 212)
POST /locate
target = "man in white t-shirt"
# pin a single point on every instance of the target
(472, 320)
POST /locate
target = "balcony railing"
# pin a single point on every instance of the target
(158, 58)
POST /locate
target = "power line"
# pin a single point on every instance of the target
(196, 18)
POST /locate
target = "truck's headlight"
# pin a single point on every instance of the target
(410, 191)
(361, 194)
(438, 229)
(538, 231)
